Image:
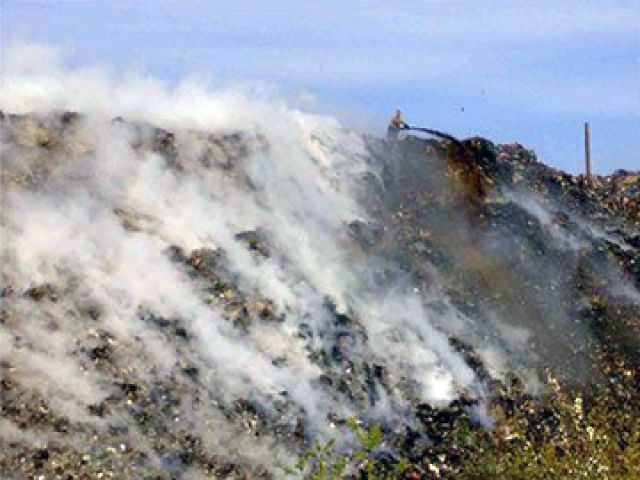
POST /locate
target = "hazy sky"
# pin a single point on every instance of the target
(527, 71)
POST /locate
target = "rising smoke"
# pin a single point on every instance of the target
(97, 206)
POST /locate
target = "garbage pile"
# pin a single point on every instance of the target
(187, 304)
(552, 222)
(619, 194)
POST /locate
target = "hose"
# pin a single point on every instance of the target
(436, 133)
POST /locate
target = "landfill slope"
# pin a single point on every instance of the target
(184, 303)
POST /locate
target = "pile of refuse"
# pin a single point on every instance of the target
(535, 230)
(191, 304)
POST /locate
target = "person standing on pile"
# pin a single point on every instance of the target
(396, 124)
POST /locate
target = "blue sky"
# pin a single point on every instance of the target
(526, 71)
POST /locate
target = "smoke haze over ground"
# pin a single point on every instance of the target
(218, 265)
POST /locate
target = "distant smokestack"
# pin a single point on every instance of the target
(587, 150)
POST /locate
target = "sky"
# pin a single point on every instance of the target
(513, 71)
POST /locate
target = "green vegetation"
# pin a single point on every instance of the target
(560, 435)
(324, 462)
(589, 433)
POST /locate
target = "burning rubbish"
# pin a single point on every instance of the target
(184, 303)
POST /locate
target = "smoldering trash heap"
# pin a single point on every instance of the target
(185, 301)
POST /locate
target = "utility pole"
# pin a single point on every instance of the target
(587, 150)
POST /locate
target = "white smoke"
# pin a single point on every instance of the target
(63, 224)
(93, 210)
